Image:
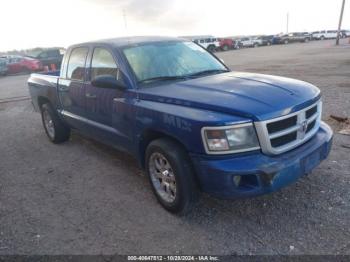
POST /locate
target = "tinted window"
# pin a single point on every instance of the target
(43, 55)
(53, 53)
(103, 64)
(76, 64)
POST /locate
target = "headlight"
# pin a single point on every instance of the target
(230, 139)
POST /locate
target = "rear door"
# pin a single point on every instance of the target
(71, 86)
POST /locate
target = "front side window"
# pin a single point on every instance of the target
(43, 55)
(170, 59)
(103, 63)
(76, 64)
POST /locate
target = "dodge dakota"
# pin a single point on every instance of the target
(193, 124)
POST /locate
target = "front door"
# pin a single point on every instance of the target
(101, 108)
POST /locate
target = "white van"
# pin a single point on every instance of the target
(208, 42)
(325, 34)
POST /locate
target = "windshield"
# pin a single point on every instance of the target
(170, 60)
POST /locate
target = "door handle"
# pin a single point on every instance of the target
(88, 95)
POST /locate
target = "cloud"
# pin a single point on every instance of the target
(172, 15)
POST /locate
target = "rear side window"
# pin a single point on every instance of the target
(76, 64)
(103, 63)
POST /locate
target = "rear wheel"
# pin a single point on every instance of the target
(171, 176)
(225, 48)
(55, 129)
(211, 48)
(286, 41)
(322, 37)
(268, 43)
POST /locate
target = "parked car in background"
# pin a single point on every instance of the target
(49, 57)
(250, 42)
(208, 42)
(325, 34)
(3, 66)
(344, 33)
(18, 64)
(226, 44)
(295, 37)
(269, 39)
(192, 124)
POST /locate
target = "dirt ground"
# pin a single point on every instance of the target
(82, 197)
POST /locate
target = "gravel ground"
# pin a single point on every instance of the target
(82, 197)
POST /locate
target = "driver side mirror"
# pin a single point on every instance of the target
(108, 81)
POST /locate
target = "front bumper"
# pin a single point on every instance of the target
(259, 173)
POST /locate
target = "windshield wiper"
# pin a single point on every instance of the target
(162, 78)
(210, 71)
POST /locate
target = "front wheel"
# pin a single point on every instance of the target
(225, 48)
(55, 129)
(171, 176)
(286, 41)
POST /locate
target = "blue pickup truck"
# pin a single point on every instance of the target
(193, 124)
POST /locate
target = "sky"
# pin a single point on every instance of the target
(44, 23)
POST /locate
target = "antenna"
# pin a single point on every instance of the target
(125, 20)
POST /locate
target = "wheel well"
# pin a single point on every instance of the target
(211, 46)
(147, 137)
(42, 100)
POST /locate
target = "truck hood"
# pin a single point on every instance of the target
(254, 96)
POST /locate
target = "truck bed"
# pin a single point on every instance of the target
(43, 85)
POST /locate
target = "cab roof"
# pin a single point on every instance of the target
(133, 40)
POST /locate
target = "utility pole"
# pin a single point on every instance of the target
(287, 29)
(340, 21)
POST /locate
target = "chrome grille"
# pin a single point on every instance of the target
(284, 133)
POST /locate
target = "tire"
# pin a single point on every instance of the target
(306, 40)
(171, 176)
(211, 48)
(268, 43)
(256, 45)
(322, 38)
(225, 48)
(285, 41)
(55, 129)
